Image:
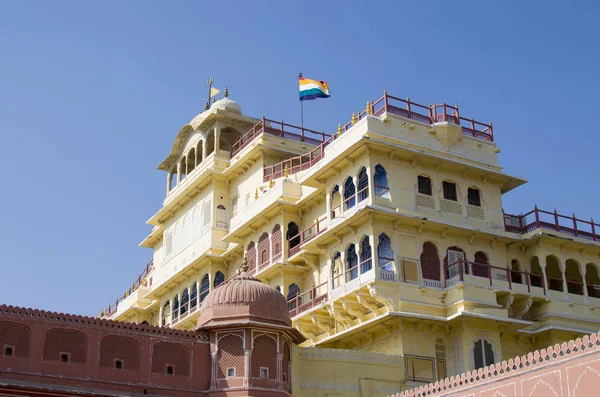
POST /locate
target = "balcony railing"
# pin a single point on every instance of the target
(386, 104)
(539, 219)
(308, 299)
(307, 234)
(140, 280)
(280, 129)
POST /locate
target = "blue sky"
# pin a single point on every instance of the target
(92, 95)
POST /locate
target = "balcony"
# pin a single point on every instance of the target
(540, 219)
(141, 281)
(295, 242)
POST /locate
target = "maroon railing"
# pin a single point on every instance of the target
(280, 129)
(112, 308)
(308, 299)
(539, 219)
(459, 269)
(386, 104)
(306, 235)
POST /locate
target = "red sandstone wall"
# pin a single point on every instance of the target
(571, 369)
(153, 360)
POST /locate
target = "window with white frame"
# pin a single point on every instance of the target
(234, 206)
(264, 372)
(230, 372)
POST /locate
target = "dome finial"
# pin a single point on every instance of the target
(244, 267)
(206, 107)
(226, 92)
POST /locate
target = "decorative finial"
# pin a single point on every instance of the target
(256, 193)
(339, 129)
(214, 99)
(244, 267)
(206, 107)
(271, 183)
(369, 108)
(286, 171)
(407, 99)
(226, 94)
(353, 118)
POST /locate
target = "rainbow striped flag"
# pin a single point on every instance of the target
(313, 89)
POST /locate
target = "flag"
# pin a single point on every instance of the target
(213, 91)
(312, 89)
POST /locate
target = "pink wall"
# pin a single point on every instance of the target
(571, 369)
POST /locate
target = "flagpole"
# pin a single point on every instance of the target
(301, 107)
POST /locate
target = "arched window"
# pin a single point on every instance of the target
(219, 279)
(185, 299)
(194, 296)
(363, 184)
(336, 202)
(191, 160)
(455, 261)
(204, 287)
(293, 291)
(536, 277)
(175, 307)
(592, 280)
(553, 273)
(474, 197)
(380, 181)
(573, 277)
(483, 353)
(449, 189)
(264, 254)
(349, 193)
(276, 242)
(293, 236)
(182, 168)
(172, 178)
(430, 265)
(385, 254)
(251, 256)
(515, 276)
(479, 268)
(424, 185)
(366, 256)
(351, 263)
(337, 270)
(166, 313)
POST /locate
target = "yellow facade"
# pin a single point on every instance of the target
(422, 326)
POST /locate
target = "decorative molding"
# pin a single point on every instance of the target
(315, 353)
(389, 301)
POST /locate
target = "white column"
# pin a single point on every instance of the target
(247, 368)
(217, 133)
(279, 370)
(214, 372)
(169, 176)
(178, 172)
(204, 148)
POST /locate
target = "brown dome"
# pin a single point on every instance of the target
(244, 299)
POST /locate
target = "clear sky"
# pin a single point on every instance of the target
(92, 95)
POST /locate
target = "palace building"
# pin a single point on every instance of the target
(362, 261)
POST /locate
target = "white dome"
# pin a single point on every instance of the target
(227, 104)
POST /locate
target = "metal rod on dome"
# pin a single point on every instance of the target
(210, 82)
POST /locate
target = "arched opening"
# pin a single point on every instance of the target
(292, 236)
(363, 184)
(264, 251)
(251, 256)
(204, 287)
(229, 136)
(166, 319)
(276, 242)
(380, 181)
(175, 307)
(194, 296)
(424, 185)
(474, 197)
(336, 202)
(553, 274)
(592, 280)
(185, 299)
(219, 279)
(191, 160)
(199, 152)
(351, 263)
(293, 292)
(385, 258)
(337, 270)
(483, 353)
(454, 261)
(573, 277)
(479, 268)
(515, 267)
(172, 178)
(536, 275)
(210, 143)
(366, 255)
(430, 265)
(349, 193)
(183, 168)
